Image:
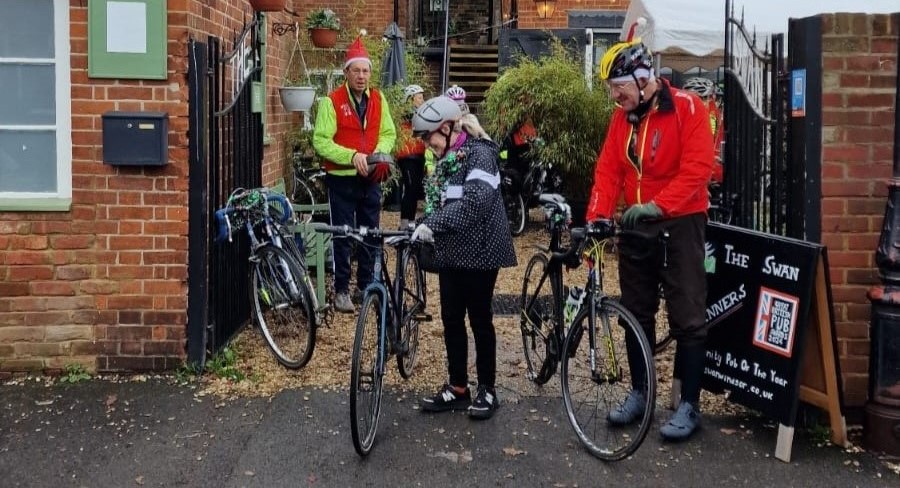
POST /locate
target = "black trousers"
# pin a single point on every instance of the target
(472, 291)
(353, 201)
(412, 174)
(683, 281)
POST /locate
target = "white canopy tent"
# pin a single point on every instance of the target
(696, 28)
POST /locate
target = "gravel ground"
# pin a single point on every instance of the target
(329, 367)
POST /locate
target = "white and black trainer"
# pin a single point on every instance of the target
(485, 404)
(447, 399)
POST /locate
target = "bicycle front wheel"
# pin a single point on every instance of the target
(366, 375)
(537, 321)
(411, 300)
(282, 306)
(597, 377)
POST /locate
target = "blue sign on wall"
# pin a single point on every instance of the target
(798, 93)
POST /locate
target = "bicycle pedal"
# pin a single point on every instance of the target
(423, 317)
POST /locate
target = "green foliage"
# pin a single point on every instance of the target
(570, 118)
(185, 373)
(323, 19)
(224, 365)
(75, 373)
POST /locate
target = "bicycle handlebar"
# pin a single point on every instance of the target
(360, 232)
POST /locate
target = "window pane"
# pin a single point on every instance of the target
(27, 161)
(28, 95)
(26, 29)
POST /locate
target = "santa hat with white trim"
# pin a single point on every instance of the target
(357, 52)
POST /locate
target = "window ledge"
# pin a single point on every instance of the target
(35, 204)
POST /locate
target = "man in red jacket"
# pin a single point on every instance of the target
(658, 155)
(352, 123)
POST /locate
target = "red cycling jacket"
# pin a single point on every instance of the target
(674, 149)
(414, 147)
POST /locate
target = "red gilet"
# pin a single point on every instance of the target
(350, 133)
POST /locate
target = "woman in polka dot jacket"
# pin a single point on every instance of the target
(466, 220)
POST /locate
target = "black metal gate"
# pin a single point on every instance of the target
(759, 179)
(226, 148)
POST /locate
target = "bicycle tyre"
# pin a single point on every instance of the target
(285, 317)
(590, 395)
(303, 195)
(411, 300)
(538, 322)
(366, 380)
(515, 211)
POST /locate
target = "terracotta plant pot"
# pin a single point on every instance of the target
(268, 5)
(297, 98)
(323, 37)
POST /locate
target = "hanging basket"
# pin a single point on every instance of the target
(268, 5)
(323, 37)
(297, 98)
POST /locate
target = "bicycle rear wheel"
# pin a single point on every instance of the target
(411, 300)
(537, 321)
(366, 375)
(281, 303)
(303, 195)
(516, 213)
(590, 393)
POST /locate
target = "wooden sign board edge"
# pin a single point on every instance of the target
(820, 336)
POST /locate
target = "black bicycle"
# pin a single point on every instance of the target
(282, 296)
(308, 189)
(596, 373)
(521, 189)
(388, 323)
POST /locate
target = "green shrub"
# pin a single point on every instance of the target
(570, 118)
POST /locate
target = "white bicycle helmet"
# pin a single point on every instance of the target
(701, 86)
(411, 90)
(456, 93)
(433, 113)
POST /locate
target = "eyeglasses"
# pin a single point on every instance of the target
(618, 87)
(359, 71)
(421, 134)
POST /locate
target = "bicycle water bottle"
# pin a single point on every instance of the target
(573, 303)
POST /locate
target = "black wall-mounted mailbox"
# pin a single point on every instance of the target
(136, 138)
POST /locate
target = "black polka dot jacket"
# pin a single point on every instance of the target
(471, 230)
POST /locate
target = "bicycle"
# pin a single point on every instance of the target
(308, 188)
(388, 324)
(521, 189)
(282, 296)
(589, 367)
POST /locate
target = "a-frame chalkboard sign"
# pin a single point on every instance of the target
(771, 342)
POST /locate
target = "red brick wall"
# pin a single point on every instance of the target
(859, 60)
(528, 17)
(104, 285)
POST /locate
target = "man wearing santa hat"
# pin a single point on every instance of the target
(352, 123)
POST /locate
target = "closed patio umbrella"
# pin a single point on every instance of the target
(394, 69)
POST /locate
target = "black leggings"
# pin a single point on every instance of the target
(469, 290)
(412, 172)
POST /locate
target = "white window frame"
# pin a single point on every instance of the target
(61, 199)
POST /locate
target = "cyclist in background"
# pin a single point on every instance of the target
(658, 155)
(707, 90)
(353, 122)
(411, 160)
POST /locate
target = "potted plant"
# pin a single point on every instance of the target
(297, 92)
(323, 25)
(268, 5)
